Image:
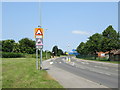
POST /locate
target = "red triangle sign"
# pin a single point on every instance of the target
(38, 32)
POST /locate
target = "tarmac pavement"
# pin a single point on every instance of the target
(66, 78)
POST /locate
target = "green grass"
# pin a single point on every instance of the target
(22, 73)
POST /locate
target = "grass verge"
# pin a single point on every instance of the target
(22, 73)
(102, 60)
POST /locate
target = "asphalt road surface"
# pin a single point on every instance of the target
(101, 73)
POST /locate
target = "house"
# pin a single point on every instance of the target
(102, 54)
(115, 55)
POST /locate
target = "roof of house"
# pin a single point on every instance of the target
(112, 52)
(103, 52)
(115, 51)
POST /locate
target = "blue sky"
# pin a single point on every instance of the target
(68, 23)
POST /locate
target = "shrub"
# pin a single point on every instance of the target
(11, 55)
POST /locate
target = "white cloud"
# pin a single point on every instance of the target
(80, 32)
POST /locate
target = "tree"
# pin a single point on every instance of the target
(110, 33)
(80, 48)
(27, 46)
(55, 50)
(92, 46)
(107, 41)
(16, 47)
(95, 43)
(110, 40)
(7, 45)
(60, 52)
(83, 48)
(118, 38)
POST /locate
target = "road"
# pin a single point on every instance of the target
(99, 73)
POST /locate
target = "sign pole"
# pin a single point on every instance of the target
(40, 58)
(38, 33)
(36, 58)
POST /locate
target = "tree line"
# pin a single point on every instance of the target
(107, 41)
(25, 45)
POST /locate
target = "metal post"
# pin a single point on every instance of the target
(36, 58)
(40, 59)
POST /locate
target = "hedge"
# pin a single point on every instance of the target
(11, 55)
(25, 55)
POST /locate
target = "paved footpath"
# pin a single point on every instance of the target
(67, 79)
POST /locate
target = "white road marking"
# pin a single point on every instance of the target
(104, 73)
(63, 59)
(101, 67)
(84, 62)
(99, 72)
(107, 74)
(51, 62)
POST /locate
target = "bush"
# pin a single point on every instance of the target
(11, 55)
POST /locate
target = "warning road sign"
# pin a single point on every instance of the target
(38, 32)
(39, 41)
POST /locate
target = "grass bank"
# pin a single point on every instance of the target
(22, 73)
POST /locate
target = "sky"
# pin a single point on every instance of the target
(65, 23)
